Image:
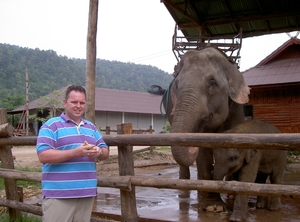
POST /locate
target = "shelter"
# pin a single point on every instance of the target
(275, 88)
(224, 23)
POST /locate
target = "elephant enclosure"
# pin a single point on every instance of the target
(160, 164)
(129, 186)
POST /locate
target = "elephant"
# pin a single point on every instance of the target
(205, 96)
(249, 165)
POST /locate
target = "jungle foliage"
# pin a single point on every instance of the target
(48, 72)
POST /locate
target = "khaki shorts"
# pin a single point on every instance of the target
(67, 210)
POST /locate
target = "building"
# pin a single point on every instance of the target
(112, 107)
(275, 88)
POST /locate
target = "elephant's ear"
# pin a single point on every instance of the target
(238, 90)
(249, 155)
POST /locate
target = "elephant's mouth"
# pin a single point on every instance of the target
(204, 122)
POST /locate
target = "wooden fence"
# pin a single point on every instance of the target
(127, 182)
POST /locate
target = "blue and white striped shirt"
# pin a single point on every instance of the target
(76, 177)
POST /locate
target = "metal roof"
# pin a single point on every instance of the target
(280, 67)
(111, 100)
(206, 22)
(221, 18)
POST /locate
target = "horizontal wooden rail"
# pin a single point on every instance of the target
(281, 141)
(126, 182)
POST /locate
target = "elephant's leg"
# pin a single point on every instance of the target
(184, 172)
(239, 209)
(276, 178)
(262, 201)
(274, 203)
(205, 164)
(205, 168)
(248, 173)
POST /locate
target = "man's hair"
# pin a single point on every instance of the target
(74, 88)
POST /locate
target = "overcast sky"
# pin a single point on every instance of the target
(137, 31)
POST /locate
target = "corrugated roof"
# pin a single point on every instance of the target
(115, 101)
(274, 69)
(126, 101)
(220, 18)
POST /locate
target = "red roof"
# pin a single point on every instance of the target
(126, 101)
(281, 66)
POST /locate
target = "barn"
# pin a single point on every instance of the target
(275, 88)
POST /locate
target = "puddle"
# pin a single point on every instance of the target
(169, 205)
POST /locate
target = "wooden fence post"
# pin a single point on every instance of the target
(126, 167)
(7, 161)
(151, 131)
(107, 130)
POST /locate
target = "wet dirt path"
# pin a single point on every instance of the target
(166, 205)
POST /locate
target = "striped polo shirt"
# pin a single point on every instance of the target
(76, 177)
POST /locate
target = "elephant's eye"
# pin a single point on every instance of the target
(212, 86)
(232, 158)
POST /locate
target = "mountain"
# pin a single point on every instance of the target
(47, 72)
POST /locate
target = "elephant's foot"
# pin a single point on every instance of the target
(184, 193)
(240, 209)
(261, 202)
(211, 202)
(274, 203)
(237, 216)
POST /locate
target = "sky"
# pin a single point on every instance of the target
(135, 31)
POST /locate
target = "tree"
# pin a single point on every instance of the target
(49, 105)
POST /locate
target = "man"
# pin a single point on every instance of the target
(68, 146)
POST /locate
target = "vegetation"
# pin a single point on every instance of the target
(293, 157)
(48, 72)
(24, 218)
(167, 127)
(23, 183)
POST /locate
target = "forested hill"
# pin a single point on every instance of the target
(47, 72)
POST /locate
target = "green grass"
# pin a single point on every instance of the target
(24, 218)
(291, 156)
(23, 183)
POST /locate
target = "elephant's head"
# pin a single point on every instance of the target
(229, 161)
(206, 87)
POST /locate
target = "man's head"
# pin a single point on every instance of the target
(75, 102)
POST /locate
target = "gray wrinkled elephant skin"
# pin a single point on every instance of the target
(249, 165)
(206, 96)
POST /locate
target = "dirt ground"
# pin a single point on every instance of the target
(25, 157)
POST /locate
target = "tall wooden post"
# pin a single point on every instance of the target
(7, 162)
(27, 104)
(91, 50)
(126, 167)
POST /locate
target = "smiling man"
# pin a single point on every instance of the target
(68, 146)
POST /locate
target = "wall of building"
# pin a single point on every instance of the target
(278, 105)
(138, 120)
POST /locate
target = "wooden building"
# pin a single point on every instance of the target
(275, 88)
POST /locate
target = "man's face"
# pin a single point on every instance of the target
(75, 105)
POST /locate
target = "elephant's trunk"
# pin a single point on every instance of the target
(187, 119)
(218, 173)
(185, 156)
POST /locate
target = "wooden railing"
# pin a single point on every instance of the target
(127, 182)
